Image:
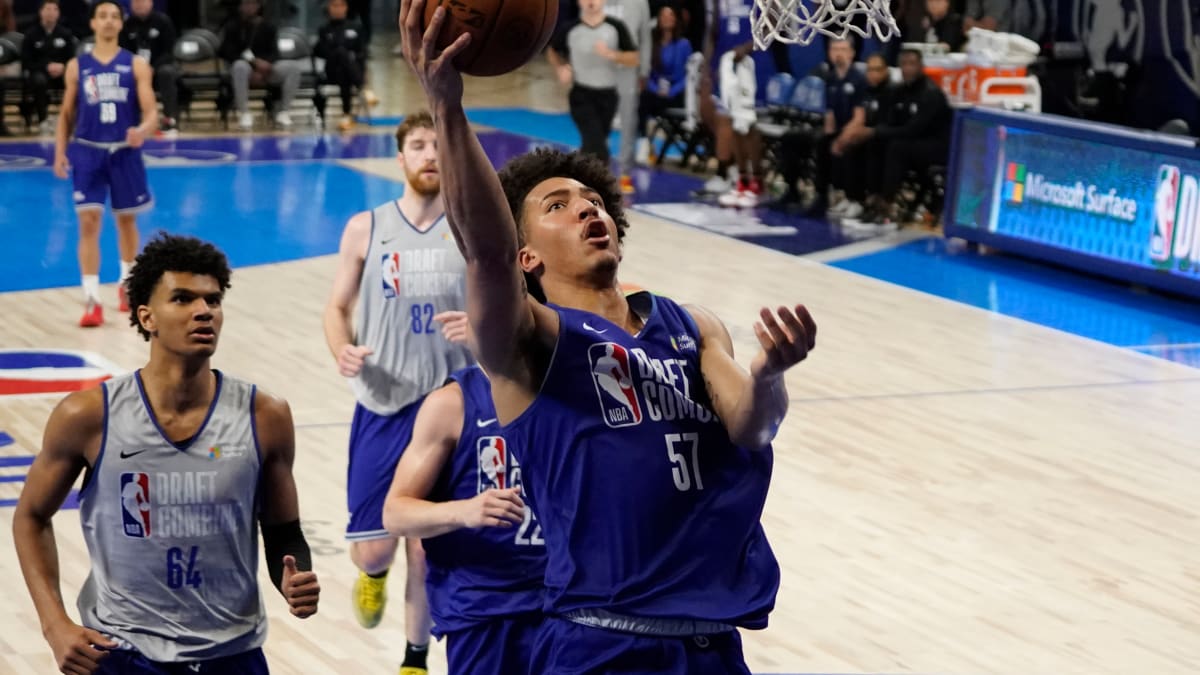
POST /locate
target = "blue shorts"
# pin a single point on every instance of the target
(128, 662)
(565, 647)
(500, 647)
(376, 443)
(97, 172)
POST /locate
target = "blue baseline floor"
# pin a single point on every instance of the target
(1102, 310)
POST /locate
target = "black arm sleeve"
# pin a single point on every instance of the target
(285, 539)
(624, 39)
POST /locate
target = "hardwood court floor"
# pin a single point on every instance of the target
(954, 491)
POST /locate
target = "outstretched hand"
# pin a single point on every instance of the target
(435, 71)
(786, 340)
(300, 589)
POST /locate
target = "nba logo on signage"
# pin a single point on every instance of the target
(1175, 235)
(1014, 183)
(613, 376)
(135, 504)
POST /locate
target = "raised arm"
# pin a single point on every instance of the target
(72, 434)
(752, 405)
(289, 560)
(407, 511)
(498, 304)
(339, 334)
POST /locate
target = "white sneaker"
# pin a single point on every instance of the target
(748, 199)
(731, 198)
(245, 121)
(283, 119)
(717, 185)
(851, 210)
(836, 209)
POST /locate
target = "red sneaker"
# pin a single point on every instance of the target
(122, 298)
(93, 316)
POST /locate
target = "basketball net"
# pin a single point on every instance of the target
(800, 21)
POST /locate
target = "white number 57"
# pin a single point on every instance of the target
(685, 479)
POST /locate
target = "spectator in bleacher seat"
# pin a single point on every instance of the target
(914, 136)
(845, 87)
(250, 45)
(151, 35)
(668, 74)
(587, 56)
(849, 144)
(47, 49)
(941, 26)
(343, 45)
(989, 14)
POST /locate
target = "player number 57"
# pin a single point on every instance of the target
(677, 450)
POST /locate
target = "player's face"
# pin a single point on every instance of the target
(184, 314)
(419, 159)
(337, 9)
(567, 230)
(107, 21)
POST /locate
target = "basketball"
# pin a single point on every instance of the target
(505, 34)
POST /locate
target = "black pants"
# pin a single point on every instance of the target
(651, 106)
(905, 154)
(344, 70)
(593, 111)
(166, 83)
(844, 172)
(39, 84)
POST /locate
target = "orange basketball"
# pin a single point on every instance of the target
(505, 34)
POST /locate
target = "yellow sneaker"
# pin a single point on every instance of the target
(369, 597)
(409, 670)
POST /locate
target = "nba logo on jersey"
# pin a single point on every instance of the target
(613, 376)
(91, 90)
(391, 274)
(135, 504)
(492, 452)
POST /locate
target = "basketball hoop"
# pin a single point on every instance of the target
(800, 21)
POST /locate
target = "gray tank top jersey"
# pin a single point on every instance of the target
(172, 534)
(408, 277)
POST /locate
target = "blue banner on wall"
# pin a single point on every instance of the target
(1104, 198)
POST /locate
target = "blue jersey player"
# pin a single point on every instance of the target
(109, 104)
(639, 434)
(458, 485)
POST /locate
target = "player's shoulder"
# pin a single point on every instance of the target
(82, 410)
(360, 223)
(270, 410)
(708, 324)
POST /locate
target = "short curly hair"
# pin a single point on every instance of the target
(171, 253)
(524, 173)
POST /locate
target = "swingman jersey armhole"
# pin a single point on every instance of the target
(537, 398)
(254, 422)
(92, 471)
